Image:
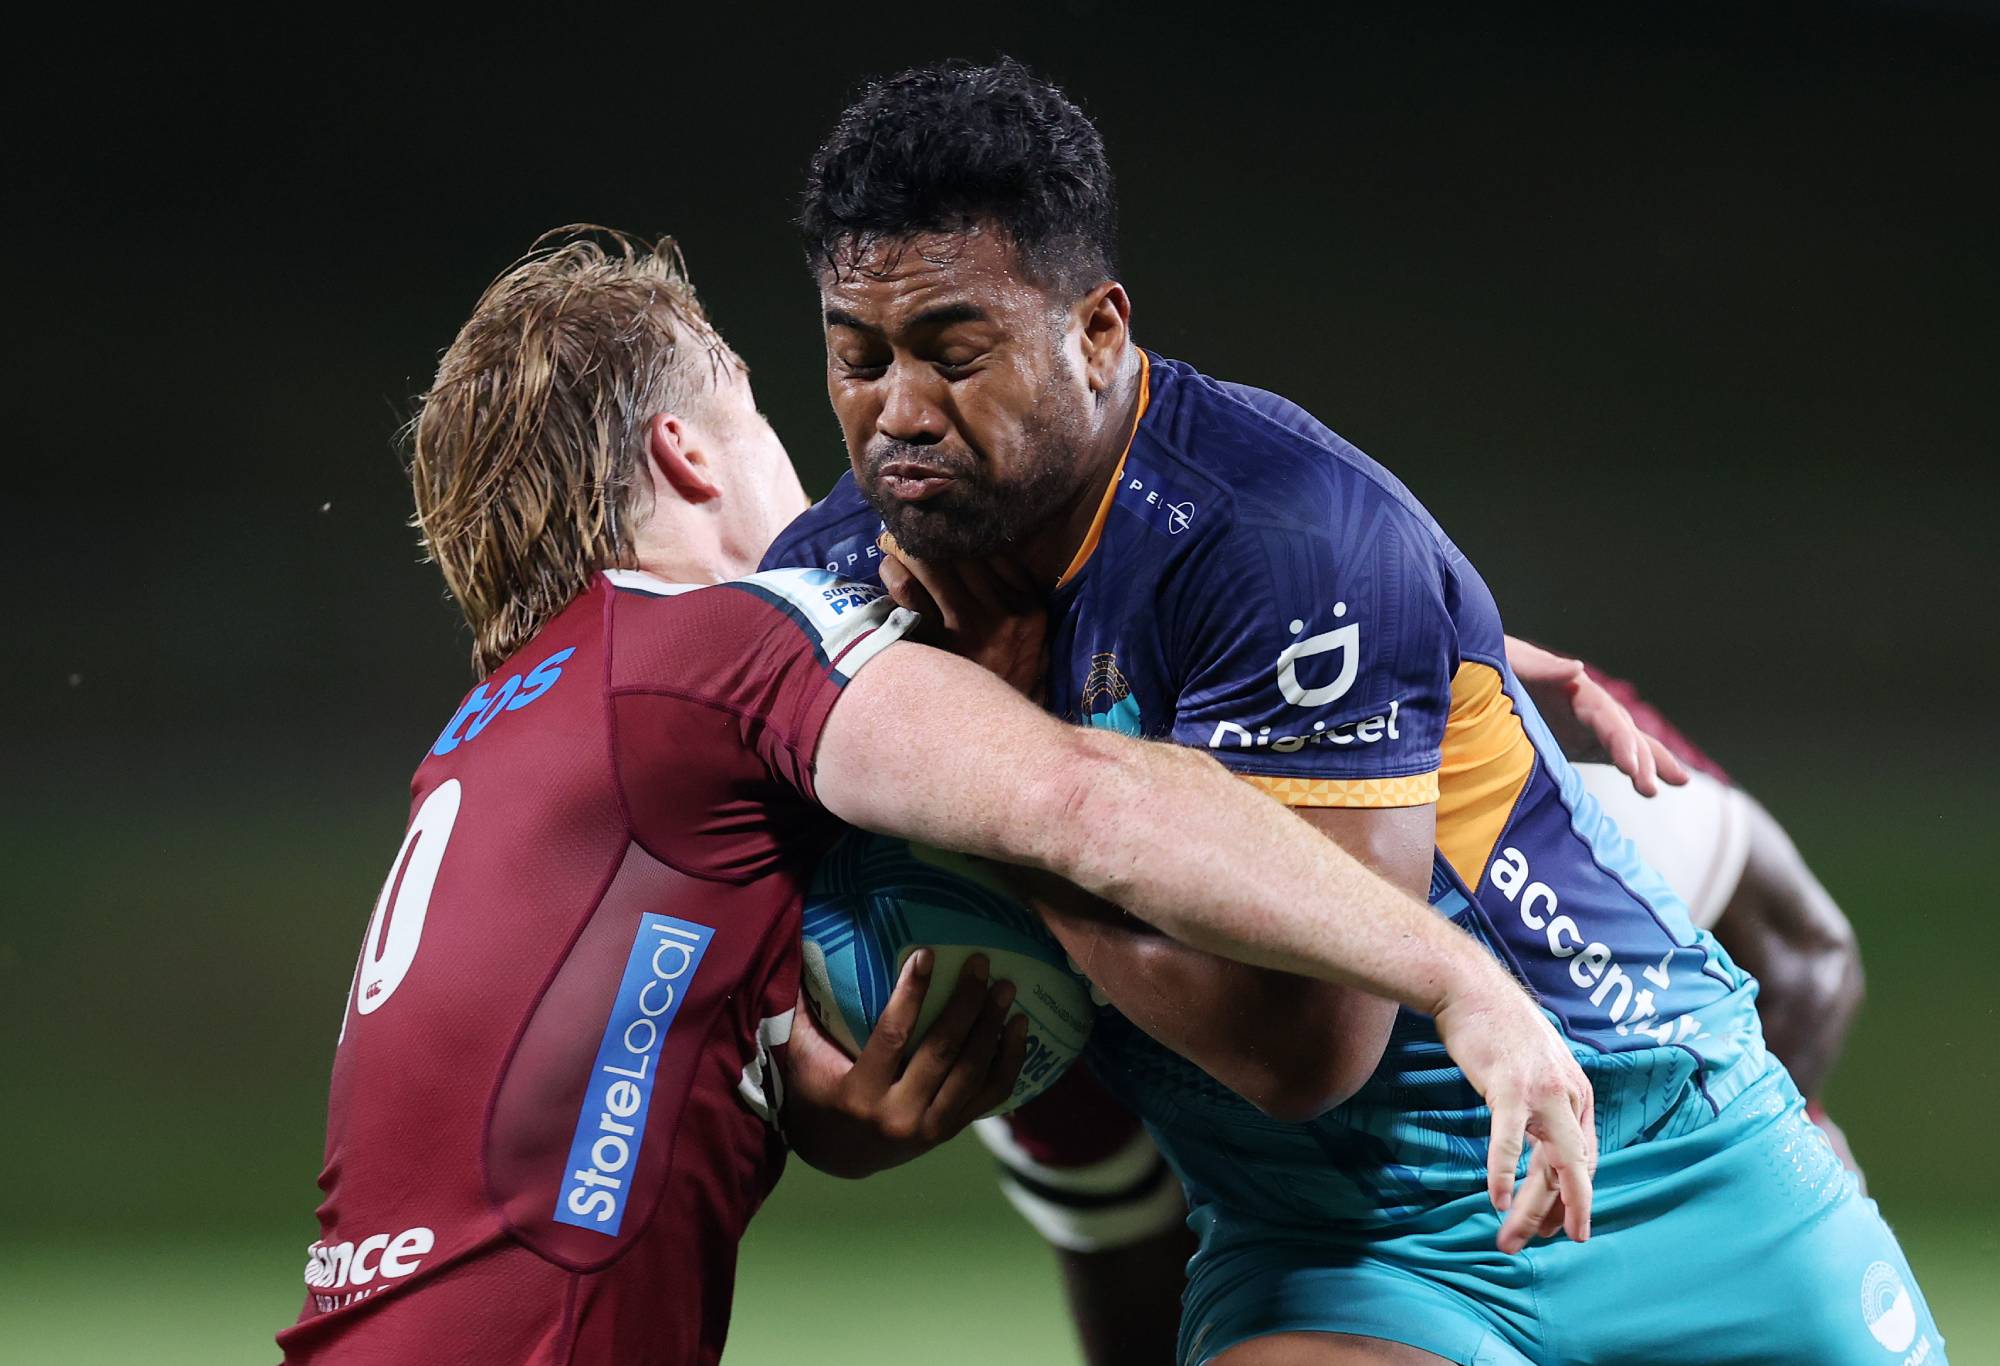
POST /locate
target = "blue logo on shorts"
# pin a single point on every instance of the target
(612, 1124)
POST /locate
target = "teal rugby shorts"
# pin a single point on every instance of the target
(1743, 1240)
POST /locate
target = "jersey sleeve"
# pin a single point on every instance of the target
(718, 715)
(789, 684)
(1316, 655)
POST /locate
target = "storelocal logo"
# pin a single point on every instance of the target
(611, 1126)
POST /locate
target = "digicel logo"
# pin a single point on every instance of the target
(1365, 732)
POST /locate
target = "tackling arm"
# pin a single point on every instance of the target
(933, 748)
(1159, 829)
(1292, 1046)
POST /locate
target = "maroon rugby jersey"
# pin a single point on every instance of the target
(547, 1125)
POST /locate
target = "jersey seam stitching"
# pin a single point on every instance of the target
(611, 715)
(742, 714)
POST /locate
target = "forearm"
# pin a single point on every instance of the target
(1292, 1046)
(1806, 1022)
(1808, 993)
(1167, 822)
(1154, 827)
(1784, 928)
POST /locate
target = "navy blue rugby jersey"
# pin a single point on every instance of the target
(1256, 587)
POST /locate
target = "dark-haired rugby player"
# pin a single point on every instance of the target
(548, 1117)
(1225, 571)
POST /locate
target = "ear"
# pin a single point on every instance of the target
(678, 459)
(1104, 317)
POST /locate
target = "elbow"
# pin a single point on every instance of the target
(1303, 1085)
(1839, 984)
(1308, 1088)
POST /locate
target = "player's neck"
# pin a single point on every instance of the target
(686, 548)
(1050, 555)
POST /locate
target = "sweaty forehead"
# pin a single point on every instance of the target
(889, 283)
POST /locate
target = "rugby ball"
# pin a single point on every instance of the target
(875, 900)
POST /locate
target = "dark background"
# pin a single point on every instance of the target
(1681, 321)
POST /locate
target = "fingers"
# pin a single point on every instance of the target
(809, 1038)
(907, 591)
(1006, 1067)
(1556, 1193)
(1634, 758)
(953, 590)
(923, 586)
(956, 1102)
(1503, 1150)
(1616, 733)
(1576, 1197)
(945, 1040)
(1553, 1197)
(1672, 771)
(882, 1056)
(981, 589)
(941, 584)
(1577, 1191)
(814, 1065)
(1533, 664)
(1534, 1206)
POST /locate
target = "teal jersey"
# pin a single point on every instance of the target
(1256, 587)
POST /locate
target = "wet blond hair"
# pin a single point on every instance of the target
(526, 451)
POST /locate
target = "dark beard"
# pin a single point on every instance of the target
(977, 517)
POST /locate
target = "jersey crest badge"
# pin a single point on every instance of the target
(1108, 702)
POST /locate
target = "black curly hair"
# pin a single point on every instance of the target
(949, 147)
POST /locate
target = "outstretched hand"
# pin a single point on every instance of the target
(987, 611)
(1587, 719)
(853, 1117)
